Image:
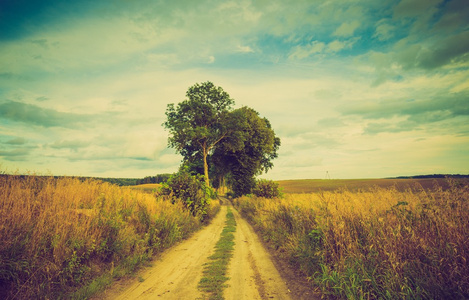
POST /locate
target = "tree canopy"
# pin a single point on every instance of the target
(248, 152)
(198, 123)
(238, 144)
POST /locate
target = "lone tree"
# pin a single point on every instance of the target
(200, 122)
(238, 144)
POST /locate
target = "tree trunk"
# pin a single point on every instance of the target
(207, 181)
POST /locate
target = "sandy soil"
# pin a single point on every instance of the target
(252, 272)
(177, 272)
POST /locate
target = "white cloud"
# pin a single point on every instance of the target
(336, 46)
(346, 29)
(384, 30)
(301, 52)
(244, 49)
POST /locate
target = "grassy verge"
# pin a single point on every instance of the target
(378, 244)
(214, 274)
(65, 237)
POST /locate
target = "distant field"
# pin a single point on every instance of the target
(147, 187)
(317, 185)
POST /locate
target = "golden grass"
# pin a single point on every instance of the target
(321, 185)
(147, 187)
(382, 243)
(58, 235)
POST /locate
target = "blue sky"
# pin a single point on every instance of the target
(356, 88)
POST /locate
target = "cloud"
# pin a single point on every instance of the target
(17, 154)
(336, 46)
(320, 48)
(455, 16)
(244, 49)
(406, 115)
(452, 50)
(16, 141)
(413, 8)
(456, 104)
(384, 30)
(70, 144)
(391, 127)
(300, 52)
(35, 115)
(42, 98)
(346, 29)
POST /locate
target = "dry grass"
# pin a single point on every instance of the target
(381, 243)
(60, 236)
(147, 187)
(321, 185)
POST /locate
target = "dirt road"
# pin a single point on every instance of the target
(252, 272)
(177, 272)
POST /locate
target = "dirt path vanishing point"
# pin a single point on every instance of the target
(177, 272)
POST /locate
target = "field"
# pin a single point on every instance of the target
(69, 237)
(318, 185)
(371, 242)
(355, 239)
(147, 187)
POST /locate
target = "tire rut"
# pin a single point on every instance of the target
(177, 272)
(252, 272)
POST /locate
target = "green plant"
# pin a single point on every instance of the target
(191, 189)
(267, 189)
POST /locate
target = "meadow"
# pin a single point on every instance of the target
(70, 237)
(147, 187)
(401, 184)
(371, 242)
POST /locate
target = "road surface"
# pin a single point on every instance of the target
(177, 272)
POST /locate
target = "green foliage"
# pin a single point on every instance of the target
(153, 179)
(197, 124)
(118, 181)
(238, 144)
(242, 182)
(267, 189)
(248, 151)
(191, 190)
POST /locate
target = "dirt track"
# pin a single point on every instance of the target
(177, 272)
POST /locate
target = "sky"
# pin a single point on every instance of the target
(353, 88)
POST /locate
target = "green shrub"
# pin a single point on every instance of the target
(191, 189)
(267, 189)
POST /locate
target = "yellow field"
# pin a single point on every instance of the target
(318, 185)
(147, 187)
(66, 236)
(380, 243)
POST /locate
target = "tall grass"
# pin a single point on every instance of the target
(65, 237)
(379, 244)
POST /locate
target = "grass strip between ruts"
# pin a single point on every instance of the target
(213, 280)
